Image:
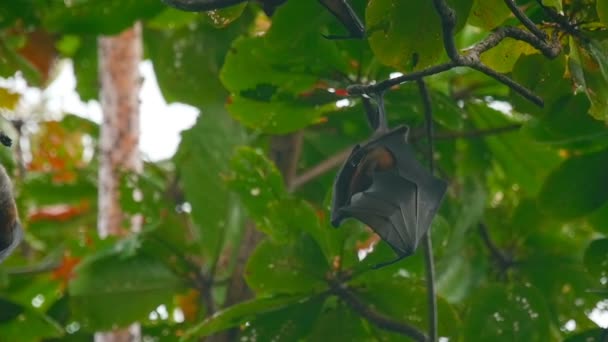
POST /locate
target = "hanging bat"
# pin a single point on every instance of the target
(10, 228)
(341, 9)
(382, 185)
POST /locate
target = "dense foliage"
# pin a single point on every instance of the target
(520, 242)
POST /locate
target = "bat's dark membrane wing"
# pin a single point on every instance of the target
(344, 12)
(8, 245)
(388, 207)
(430, 197)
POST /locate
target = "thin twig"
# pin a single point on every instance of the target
(320, 169)
(428, 244)
(523, 18)
(380, 320)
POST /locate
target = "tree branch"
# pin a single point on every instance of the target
(387, 323)
(521, 16)
(472, 58)
(429, 264)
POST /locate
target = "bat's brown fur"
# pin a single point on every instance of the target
(377, 159)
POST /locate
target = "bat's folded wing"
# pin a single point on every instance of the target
(389, 208)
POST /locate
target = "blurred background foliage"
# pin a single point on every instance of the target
(521, 241)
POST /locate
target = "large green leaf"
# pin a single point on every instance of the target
(568, 125)
(119, 286)
(407, 35)
(545, 78)
(19, 323)
(243, 312)
(501, 313)
(524, 161)
(488, 14)
(588, 63)
(298, 267)
(205, 149)
(289, 324)
(187, 60)
(577, 187)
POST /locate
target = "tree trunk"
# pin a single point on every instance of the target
(119, 58)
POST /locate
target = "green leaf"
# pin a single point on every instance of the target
(242, 312)
(596, 261)
(337, 322)
(187, 61)
(299, 267)
(514, 313)
(557, 4)
(289, 324)
(407, 34)
(205, 149)
(576, 187)
(524, 162)
(488, 14)
(20, 323)
(589, 67)
(225, 16)
(567, 126)
(104, 282)
(544, 78)
(86, 68)
(256, 178)
(268, 80)
(503, 57)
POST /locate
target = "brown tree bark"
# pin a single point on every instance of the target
(119, 58)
